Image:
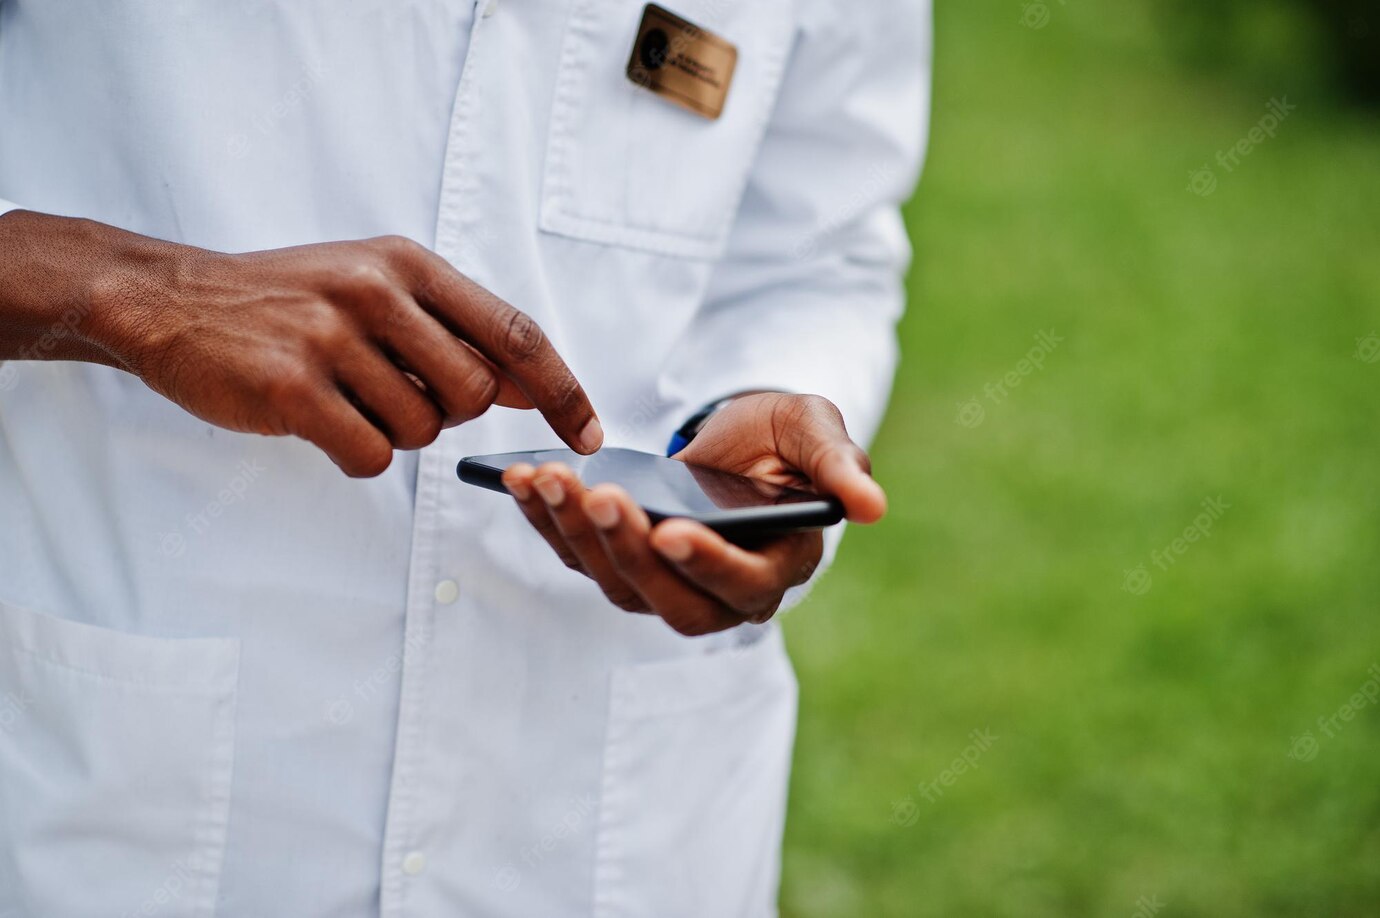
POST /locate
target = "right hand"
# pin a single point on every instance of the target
(358, 347)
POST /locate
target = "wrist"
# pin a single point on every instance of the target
(68, 288)
(692, 426)
(687, 432)
(130, 295)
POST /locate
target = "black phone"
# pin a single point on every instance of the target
(735, 506)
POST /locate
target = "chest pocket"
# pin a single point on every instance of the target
(626, 167)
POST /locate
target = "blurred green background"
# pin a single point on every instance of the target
(1158, 731)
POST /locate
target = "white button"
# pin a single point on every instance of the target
(490, 8)
(414, 863)
(447, 591)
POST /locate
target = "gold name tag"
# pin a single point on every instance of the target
(682, 63)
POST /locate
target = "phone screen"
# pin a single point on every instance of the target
(664, 487)
(668, 485)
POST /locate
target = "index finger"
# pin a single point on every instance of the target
(514, 343)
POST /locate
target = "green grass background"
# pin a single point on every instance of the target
(1142, 760)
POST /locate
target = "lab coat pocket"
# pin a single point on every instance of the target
(115, 762)
(696, 764)
(625, 167)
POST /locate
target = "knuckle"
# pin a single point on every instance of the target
(820, 407)
(333, 342)
(287, 390)
(324, 330)
(759, 600)
(814, 411)
(432, 425)
(522, 337)
(791, 410)
(366, 463)
(388, 312)
(821, 452)
(685, 626)
(567, 394)
(630, 565)
(367, 278)
(420, 430)
(625, 599)
(398, 249)
(843, 453)
(477, 389)
(691, 624)
(808, 413)
(765, 613)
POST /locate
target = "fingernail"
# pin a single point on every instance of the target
(677, 548)
(604, 513)
(592, 436)
(519, 490)
(551, 491)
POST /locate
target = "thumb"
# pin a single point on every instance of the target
(817, 443)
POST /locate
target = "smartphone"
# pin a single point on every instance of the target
(736, 507)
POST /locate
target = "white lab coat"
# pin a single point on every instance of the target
(234, 682)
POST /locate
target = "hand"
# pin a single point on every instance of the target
(358, 347)
(683, 571)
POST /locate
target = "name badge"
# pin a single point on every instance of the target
(682, 63)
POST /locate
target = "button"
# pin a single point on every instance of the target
(414, 863)
(447, 591)
(490, 8)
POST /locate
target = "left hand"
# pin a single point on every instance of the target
(681, 570)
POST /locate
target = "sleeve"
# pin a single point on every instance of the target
(7, 206)
(807, 296)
